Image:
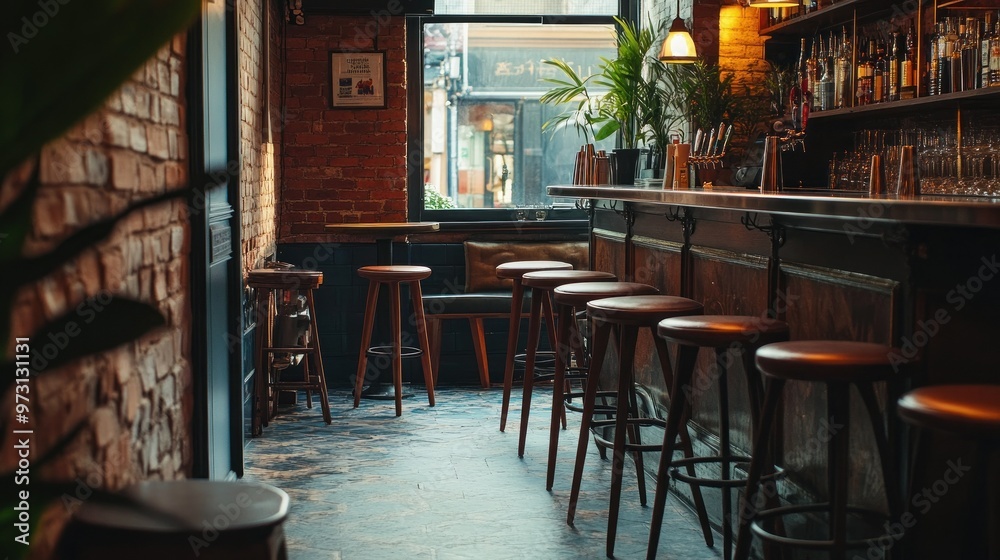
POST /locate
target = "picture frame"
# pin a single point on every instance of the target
(357, 79)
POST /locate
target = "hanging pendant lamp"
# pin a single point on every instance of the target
(678, 47)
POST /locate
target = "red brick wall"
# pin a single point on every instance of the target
(341, 165)
(135, 402)
(259, 52)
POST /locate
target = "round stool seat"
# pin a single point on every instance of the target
(579, 294)
(972, 410)
(394, 273)
(517, 269)
(827, 360)
(284, 279)
(549, 279)
(641, 310)
(181, 519)
(715, 331)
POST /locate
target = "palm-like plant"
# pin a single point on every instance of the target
(705, 95)
(624, 97)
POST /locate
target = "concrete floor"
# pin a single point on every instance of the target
(445, 483)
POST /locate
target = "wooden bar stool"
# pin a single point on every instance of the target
(628, 314)
(838, 365)
(722, 333)
(281, 287)
(514, 271)
(542, 283)
(969, 412)
(392, 276)
(165, 520)
(567, 299)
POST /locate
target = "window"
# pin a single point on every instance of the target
(483, 152)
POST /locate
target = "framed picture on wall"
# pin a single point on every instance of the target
(357, 80)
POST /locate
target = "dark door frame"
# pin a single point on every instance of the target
(201, 247)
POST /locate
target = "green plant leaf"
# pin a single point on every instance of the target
(57, 72)
(96, 325)
(606, 131)
(24, 270)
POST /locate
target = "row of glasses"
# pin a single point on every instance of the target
(947, 167)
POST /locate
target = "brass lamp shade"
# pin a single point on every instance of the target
(678, 47)
(774, 3)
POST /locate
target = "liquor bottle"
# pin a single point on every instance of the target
(934, 71)
(955, 43)
(796, 96)
(995, 54)
(970, 55)
(811, 69)
(943, 74)
(892, 76)
(908, 67)
(880, 85)
(984, 52)
(865, 73)
(824, 86)
(844, 72)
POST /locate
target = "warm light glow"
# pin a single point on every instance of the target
(774, 3)
(678, 47)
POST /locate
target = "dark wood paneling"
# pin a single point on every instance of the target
(726, 283)
(609, 252)
(825, 303)
(658, 263)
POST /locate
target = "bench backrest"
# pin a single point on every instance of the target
(482, 258)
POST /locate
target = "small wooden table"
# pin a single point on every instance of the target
(382, 233)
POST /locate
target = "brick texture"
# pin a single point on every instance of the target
(134, 403)
(341, 165)
(260, 127)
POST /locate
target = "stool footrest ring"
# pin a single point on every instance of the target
(734, 460)
(823, 507)
(404, 351)
(645, 447)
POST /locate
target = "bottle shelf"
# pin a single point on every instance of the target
(839, 13)
(891, 108)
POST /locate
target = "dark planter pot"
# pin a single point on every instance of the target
(623, 166)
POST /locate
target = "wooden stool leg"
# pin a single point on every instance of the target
(626, 349)
(537, 295)
(686, 356)
(366, 338)
(317, 354)
(758, 459)
(396, 334)
(602, 332)
(683, 379)
(479, 345)
(516, 301)
(259, 419)
(434, 340)
(558, 408)
(838, 450)
(425, 359)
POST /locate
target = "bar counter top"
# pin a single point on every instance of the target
(967, 211)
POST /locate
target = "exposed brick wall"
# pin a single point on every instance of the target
(260, 126)
(135, 402)
(741, 48)
(341, 165)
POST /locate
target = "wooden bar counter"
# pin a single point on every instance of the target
(919, 273)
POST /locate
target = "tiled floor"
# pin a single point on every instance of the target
(445, 483)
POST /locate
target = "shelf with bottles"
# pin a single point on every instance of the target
(942, 101)
(836, 14)
(929, 59)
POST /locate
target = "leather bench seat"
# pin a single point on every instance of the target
(467, 305)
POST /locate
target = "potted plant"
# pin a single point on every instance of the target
(620, 99)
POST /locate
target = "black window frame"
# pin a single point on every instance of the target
(477, 218)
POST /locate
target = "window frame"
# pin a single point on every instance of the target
(476, 218)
